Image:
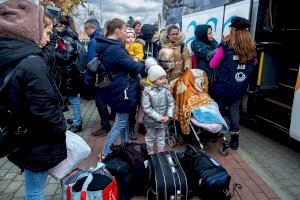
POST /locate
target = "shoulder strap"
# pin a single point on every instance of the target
(11, 73)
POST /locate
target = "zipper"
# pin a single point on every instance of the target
(217, 177)
(206, 174)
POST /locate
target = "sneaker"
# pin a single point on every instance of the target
(75, 129)
(70, 121)
(234, 142)
(132, 134)
(100, 133)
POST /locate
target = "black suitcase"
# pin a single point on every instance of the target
(167, 180)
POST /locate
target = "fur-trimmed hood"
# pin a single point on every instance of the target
(164, 39)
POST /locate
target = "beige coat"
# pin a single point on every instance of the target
(181, 61)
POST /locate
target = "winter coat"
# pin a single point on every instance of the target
(157, 102)
(203, 48)
(89, 76)
(151, 47)
(92, 44)
(33, 99)
(121, 96)
(182, 60)
(135, 50)
(231, 77)
(71, 75)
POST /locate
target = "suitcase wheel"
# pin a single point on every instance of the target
(172, 141)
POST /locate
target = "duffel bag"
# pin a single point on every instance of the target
(123, 172)
(94, 184)
(206, 176)
(133, 154)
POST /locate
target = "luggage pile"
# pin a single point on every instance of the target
(129, 171)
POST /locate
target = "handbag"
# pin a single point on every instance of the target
(77, 150)
(140, 115)
(95, 183)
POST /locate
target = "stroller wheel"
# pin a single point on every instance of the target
(224, 149)
(180, 139)
(172, 141)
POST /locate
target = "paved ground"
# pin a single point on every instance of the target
(264, 168)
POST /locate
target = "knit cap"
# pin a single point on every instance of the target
(22, 19)
(155, 72)
(130, 30)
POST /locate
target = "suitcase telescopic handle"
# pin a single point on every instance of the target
(172, 162)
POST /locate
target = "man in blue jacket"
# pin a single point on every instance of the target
(92, 29)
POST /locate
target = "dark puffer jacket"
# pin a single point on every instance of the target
(33, 99)
(124, 69)
(202, 48)
(71, 75)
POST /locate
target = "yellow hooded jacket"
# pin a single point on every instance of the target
(136, 50)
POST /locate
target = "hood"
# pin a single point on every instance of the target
(22, 19)
(12, 51)
(148, 31)
(201, 32)
(96, 33)
(164, 38)
(104, 42)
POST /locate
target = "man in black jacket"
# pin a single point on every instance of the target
(71, 75)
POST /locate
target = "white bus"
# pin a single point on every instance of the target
(274, 92)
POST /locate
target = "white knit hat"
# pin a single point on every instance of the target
(155, 72)
(130, 30)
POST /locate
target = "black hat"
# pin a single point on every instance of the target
(240, 23)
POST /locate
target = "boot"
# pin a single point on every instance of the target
(141, 129)
(234, 142)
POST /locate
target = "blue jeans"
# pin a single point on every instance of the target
(75, 102)
(103, 112)
(234, 112)
(120, 127)
(35, 184)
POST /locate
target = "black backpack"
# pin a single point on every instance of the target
(126, 162)
(81, 59)
(206, 176)
(12, 132)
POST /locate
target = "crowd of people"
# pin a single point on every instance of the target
(140, 62)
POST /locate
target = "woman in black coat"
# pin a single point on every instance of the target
(31, 94)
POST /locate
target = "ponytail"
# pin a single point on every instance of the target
(111, 25)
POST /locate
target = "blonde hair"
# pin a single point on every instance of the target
(242, 44)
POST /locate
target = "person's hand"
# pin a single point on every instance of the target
(164, 119)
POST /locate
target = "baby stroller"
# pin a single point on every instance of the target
(195, 111)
